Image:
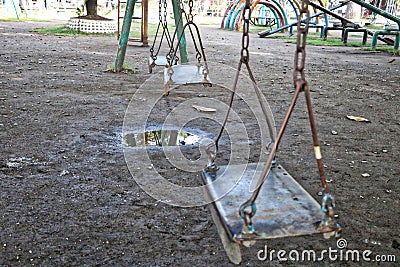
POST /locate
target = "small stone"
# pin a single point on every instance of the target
(64, 172)
(384, 151)
(334, 132)
(365, 175)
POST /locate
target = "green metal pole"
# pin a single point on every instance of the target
(179, 25)
(123, 40)
(15, 8)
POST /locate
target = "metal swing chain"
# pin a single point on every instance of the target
(248, 209)
(190, 15)
(212, 149)
(299, 78)
(189, 19)
(328, 202)
(244, 53)
(244, 59)
(165, 25)
(160, 22)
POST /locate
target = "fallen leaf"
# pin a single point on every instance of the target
(358, 119)
(204, 109)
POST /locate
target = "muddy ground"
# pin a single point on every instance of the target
(67, 197)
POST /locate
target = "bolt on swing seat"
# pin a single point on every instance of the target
(279, 206)
(187, 73)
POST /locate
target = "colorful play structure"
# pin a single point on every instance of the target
(274, 15)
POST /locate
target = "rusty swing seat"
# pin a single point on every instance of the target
(284, 208)
(278, 205)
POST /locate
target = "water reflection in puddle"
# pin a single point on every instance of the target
(161, 138)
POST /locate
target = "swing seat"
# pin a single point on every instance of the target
(284, 208)
(184, 75)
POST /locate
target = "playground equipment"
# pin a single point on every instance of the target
(270, 12)
(348, 26)
(13, 6)
(124, 36)
(155, 59)
(188, 73)
(259, 13)
(283, 207)
(268, 32)
(142, 18)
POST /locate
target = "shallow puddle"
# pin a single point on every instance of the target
(161, 138)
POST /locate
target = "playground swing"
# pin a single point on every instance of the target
(155, 59)
(283, 207)
(187, 73)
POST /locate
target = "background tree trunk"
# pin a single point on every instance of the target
(91, 7)
(353, 11)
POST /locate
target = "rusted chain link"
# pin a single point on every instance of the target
(300, 55)
(248, 209)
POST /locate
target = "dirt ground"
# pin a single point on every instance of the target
(67, 197)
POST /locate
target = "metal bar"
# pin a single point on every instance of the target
(346, 35)
(317, 150)
(267, 32)
(179, 26)
(15, 8)
(372, 33)
(282, 11)
(123, 41)
(327, 11)
(385, 32)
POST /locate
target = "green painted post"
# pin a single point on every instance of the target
(179, 25)
(123, 40)
(15, 8)
(397, 41)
